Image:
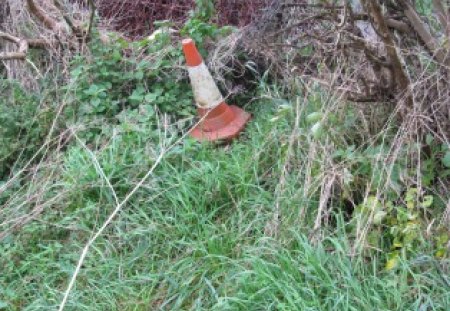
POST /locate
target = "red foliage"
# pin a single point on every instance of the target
(135, 18)
(238, 12)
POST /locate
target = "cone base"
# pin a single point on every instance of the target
(227, 132)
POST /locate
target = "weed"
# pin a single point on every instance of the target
(307, 210)
(24, 123)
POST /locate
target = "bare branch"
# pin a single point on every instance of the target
(92, 8)
(380, 25)
(422, 30)
(9, 37)
(398, 25)
(442, 14)
(23, 46)
(38, 43)
(72, 24)
(46, 20)
(13, 56)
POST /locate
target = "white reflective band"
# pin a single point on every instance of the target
(206, 92)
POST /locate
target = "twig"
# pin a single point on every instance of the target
(91, 18)
(75, 28)
(443, 17)
(23, 46)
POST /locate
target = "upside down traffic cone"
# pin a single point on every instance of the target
(219, 120)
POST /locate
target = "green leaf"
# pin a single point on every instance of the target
(147, 110)
(427, 201)
(139, 75)
(441, 253)
(95, 102)
(397, 243)
(374, 204)
(317, 130)
(76, 72)
(378, 217)
(429, 139)
(446, 159)
(124, 44)
(143, 64)
(136, 98)
(92, 90)
(151, 97)
(314, 117)
(306, 51)
(411, 194)
(3, 305)
(392, 262)
(116, 55)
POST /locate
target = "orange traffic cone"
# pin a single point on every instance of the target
(219, 120)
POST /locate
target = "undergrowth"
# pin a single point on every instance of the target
(307, 210)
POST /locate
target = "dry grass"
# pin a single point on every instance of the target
(271, 220)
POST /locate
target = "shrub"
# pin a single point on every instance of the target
(23, 125)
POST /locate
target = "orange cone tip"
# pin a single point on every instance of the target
(193, 57)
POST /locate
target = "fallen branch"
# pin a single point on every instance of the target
(46, 20)
(12, 56)
(74, 34)
(23, 46)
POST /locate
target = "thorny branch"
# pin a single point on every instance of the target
(58, 28)
(377, 33)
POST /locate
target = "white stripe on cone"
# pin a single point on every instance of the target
(206, 92)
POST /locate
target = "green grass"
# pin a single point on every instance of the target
(281, 219)
(194, 236)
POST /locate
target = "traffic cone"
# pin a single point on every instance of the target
(219, 121)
